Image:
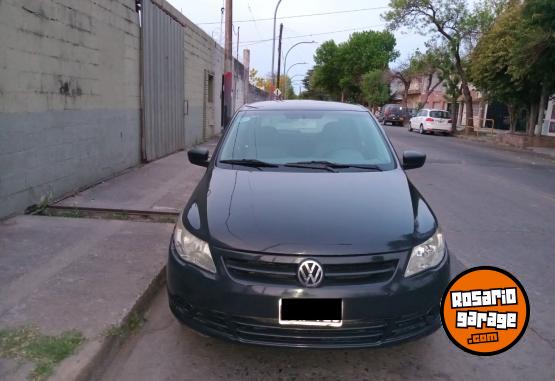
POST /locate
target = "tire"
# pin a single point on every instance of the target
(421, 130)
(410, 127)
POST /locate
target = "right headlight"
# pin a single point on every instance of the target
(426, 255)
(192, 249)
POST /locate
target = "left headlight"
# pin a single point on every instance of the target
(426, 255)
(192, 249)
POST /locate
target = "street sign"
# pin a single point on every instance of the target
(277, 92)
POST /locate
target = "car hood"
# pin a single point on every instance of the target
(311, 213)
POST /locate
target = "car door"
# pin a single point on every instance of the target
(420, 117)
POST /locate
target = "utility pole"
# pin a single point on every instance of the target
(237, 81)
(246, 64)
(274, 42)
(228, 61)
(228, 34)
(238, 30)
(279, 54)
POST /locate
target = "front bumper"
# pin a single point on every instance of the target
(378, 314)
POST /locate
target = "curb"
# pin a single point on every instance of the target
(504, 147)
(96, 355)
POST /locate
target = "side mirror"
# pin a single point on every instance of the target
(413, 159)
(198, 156)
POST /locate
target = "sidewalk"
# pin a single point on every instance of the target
(157, 186)
(488, 139)
(81, 284)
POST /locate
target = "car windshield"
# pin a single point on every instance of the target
(288, 136)
(439, 114)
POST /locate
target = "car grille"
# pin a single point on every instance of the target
(352, 332)
(282, 270)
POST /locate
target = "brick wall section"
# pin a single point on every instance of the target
(69, 96)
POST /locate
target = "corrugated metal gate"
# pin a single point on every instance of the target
(163, 72)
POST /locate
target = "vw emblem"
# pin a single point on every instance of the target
(310, 273)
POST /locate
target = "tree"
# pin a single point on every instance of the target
(513, 62)
(458, 25)
(253, 74)
(405, 73)
(311, 90)
(451, 80)
(427, 65)
(536, 51)
(375, 87)
(339, 68)
(361, 53)
(263, 83)
(286, 87)
(326, 73)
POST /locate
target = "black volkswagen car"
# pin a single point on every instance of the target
(306, 232)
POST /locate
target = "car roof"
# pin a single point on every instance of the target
(302, 105)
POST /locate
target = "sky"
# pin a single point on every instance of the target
(337, 26)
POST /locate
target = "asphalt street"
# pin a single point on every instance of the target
(496, 207)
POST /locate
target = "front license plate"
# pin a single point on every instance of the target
(314, 312)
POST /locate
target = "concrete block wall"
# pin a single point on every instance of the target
(256, 95)
(69, 96)
(202, 56)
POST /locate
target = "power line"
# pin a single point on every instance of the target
(252, 18)
(253, 42)
(298, 16)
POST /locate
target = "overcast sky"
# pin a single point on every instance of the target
(321, 28)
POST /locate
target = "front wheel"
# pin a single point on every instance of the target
(421, 129)
(410, 127)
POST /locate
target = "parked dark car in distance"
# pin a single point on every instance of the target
(306, 232)
(394, 114)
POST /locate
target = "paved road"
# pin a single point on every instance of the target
(497, 207)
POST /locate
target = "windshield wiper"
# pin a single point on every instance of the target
(311, 165)
(250, 163)
(331, 165)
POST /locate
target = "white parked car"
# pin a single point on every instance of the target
(431, 120)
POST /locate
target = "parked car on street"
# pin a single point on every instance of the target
(394, 114)
(431, 120)
(306, 232)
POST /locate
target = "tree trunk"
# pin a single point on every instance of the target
(406, 93)
(541, 112)
(342, 95)
(430, 89)
(468, 104)
(454, 116)
(533, 114)
(512, 118)
(465, 89)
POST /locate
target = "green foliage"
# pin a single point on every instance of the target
(375, 87)
(453, 19)
(327, 69)
(45, 351)
(312, 91)
(491, 60)
(339, 68)
(286, 87)
(132, 324)
(513, 62)
(459, 26)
